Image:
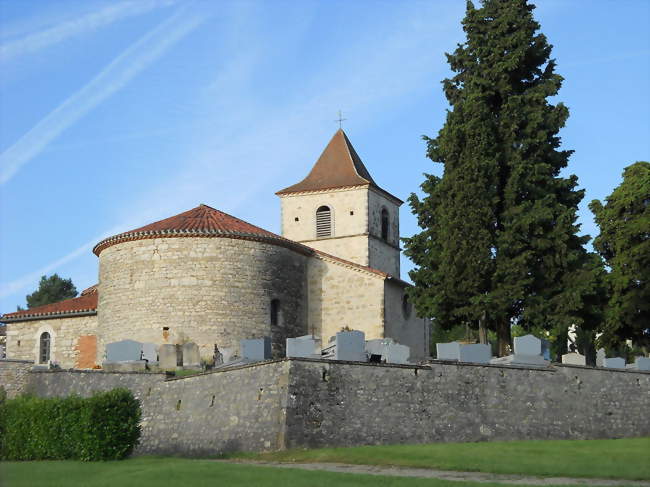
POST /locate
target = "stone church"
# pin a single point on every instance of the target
(210, 278)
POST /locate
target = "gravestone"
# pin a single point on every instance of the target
(167, 357)
(150, 352)
(256, 350)
(614, 363)
(448, 351)
(478, 353)
(305, 346)
(528, 351)
(600, 357)
(191, 356)
(528, 345)
(123, 351)
(350, 346)
(574, 358)
(396, 353)
(377, 346)
(640, 363)
(217, 356)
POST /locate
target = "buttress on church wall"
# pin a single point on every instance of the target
(203, 290)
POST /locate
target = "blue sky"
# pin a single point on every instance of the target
(114, 114)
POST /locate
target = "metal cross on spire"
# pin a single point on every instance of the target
(340, 119)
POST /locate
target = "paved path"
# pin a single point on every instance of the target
(445, 474)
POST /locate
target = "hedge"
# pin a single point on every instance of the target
(102, 427)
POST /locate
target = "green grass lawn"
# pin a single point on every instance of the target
(620, 459)
(163, 472)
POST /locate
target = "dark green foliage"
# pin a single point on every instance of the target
(102, 427)
(624, 244)
(499, 240)
(51, 290)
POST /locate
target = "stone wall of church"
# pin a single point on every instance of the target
(205, 290)
(349, 214)
(341, 296)
(403, 324)
(72, 340)
(383, 255)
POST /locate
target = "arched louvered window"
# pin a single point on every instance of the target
(44, 349)
(323, 222)
(384, 224)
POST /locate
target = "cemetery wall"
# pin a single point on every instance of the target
(203, 290)
(241, 409)
(14, 375)
(343, 404)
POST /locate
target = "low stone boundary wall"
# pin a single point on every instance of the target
(293, 403)
(14, 375)
(343, 404)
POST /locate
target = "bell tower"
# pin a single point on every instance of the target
(340, 210)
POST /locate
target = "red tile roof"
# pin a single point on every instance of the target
(86, 303)
(202, 221)
(339, 166)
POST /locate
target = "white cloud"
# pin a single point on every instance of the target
(112, 78)
(49, 36)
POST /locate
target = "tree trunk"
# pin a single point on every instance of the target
(504, 339)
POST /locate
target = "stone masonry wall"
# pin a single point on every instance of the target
(69, 340)
(341, 404)
(236, 410)
(342, 296)
(14, 376)
(402, 324)
(205, 290)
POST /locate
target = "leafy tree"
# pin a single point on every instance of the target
(51, 290)
(624, 244)
(499, 240)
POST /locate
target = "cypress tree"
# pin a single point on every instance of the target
(499, 241)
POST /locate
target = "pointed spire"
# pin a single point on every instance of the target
(338, 166)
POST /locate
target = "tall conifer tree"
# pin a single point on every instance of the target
(499, 239)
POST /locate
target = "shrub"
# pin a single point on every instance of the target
(102, 427)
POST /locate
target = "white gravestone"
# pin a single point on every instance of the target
(574, 358)
(167, 357)
(150, 352)
(640, 363)
(191, 356)
(448, 351)
(600, 357)
(614, 363)
(256, 350)
(305, 346)
(123, 351)
(478, 353)
(528, 351)
(396, 353)
(351, 346)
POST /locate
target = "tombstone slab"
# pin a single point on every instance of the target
(167, 357)
(640, 363)
(150, 352)
(546, 349)
(528, 345)
(351, 346)
(123, 351)
(614, 363)
(574, 358)
(191, 356)
(256, 350)
(600, 357)
(448, 351)
(396, 353)
(305, 346)
(478, 353)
